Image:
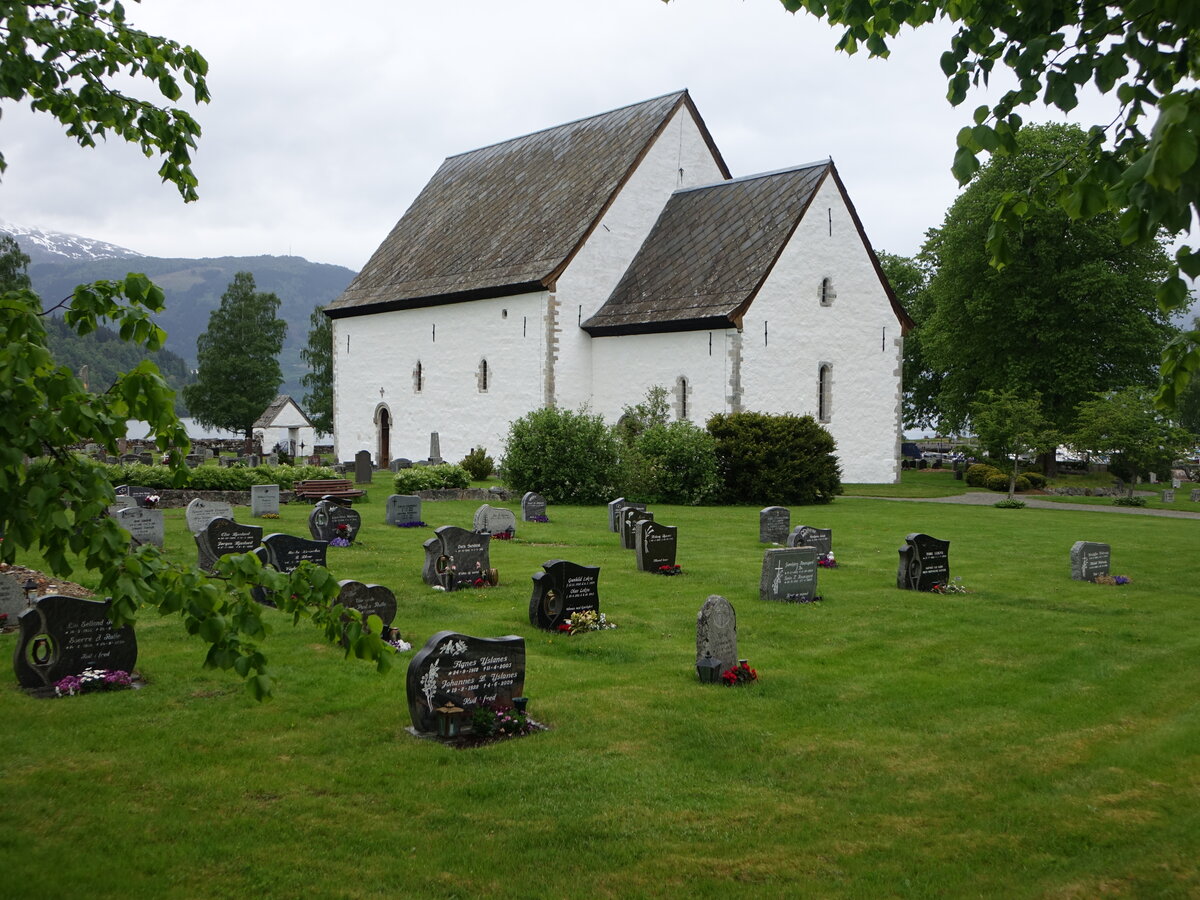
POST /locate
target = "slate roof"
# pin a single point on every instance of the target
(267, 419)
(711, 250)
(508, 218)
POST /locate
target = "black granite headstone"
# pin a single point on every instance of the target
(326, 517)
(562, 590)
(368, 599)
(627, 519)
(924, 563)
(789, 575)
(63, 636)
(465, 671)
(614, 508)
(533, 507)
(456, 558)
(807, 536)
(656, 545)
(221, 536)
(1089, 559)
(285, 551)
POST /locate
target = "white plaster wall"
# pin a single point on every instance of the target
(626, 367)
(279, 433)
(858, 335)
(605, 256)
(380, 351)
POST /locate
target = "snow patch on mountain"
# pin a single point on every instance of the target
(38, 242)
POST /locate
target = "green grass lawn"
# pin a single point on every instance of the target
(1038, 737)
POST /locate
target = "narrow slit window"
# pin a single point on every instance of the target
(824, 392)
(483, 376)
(418, 377)
(827, 294)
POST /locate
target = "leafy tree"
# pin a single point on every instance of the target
(1141, 50)
(1073, 313)
(775, 459)
(1009, 425)
(909, 278)
(70, 57)
(238, 357)
(654, 410)
(1126, 425)
(14, 265)
(319, 377)
(568, 457)
(671, 463)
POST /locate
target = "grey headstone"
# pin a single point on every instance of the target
(1176, 483)
(63, 636)
(121, 503)
(807, 536)
(12, 598)
(716, 632)
(362, 467)
(773, 524)
(924, 563)
(403, 509)
(466, 671)
(285, 551)
(456, 558)
(264, 498)
(192, 460)
(656, 545)
(533, 506)
(325, 518)
(1168, 496)
(254, 461)
(400, 463)
(495, 520)
(200, 512)
(1195, 498)
(562, 590)
(1089, 559)
(145, 526)
(789, 574)
(221, 536)
(435, 449)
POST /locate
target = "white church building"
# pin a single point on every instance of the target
(589, 262)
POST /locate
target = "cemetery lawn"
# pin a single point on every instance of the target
(1037, 737)
(913, 483)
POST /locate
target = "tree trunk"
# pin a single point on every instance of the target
(1012, 478)
(1049, 460)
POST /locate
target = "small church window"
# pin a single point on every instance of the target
(681, 397)
(418, 377)
(482, 376)
(827, 293)
(825, 392)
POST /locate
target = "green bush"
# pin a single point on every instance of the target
(215, 478)
(1129, 501)
(1036, 480)
(999, 482)
(978, 474)
(675, 463)
(1009, 504)
(431, 478)
(478, 464)
(568, 457)
(774, 459)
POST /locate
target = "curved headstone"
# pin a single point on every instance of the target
(562, 590)
(469, 672)
(61, 636)
(716, 632)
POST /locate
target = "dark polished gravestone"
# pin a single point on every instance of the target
(614, 509)
(627, 519)
(456, 558)
(200, 512)
(656, 545)
(924, 563)
(403, 510)
(562, 590)
(463, 671)
(368, 599)
(807, 536)
(285, 552)
(136, 491)
(145, 526)
(221, 536)
(63, 636)
(495, 520)
(1089, 559)
(716, 632)
(362, 467)
(533, 507)
(325, 518)
(789, 575)
(773, 524)
(264, 500)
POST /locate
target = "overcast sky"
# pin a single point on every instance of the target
(327, 119)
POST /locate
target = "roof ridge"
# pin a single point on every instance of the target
(679, 93)
(827, 161)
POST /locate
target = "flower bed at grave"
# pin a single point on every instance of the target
(411, 525)
(491, 725)
(542, 519)
(93, 680)
(586, 621)
(669, 570)
(951, 587)
(738, 675)
(827, 561)
(800, 598)
(1113, 579)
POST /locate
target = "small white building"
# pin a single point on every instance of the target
(284, 424)
(589, 262)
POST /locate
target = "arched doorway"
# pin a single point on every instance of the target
(383, 419)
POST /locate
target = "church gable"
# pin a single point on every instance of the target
(506, 219)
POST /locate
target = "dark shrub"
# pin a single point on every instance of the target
(568, 457)
(478, 464)
(978, 474)
(675, 463)
(775, 459)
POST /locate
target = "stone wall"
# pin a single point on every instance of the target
(178, 499)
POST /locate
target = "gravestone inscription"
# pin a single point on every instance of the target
(562, 590)
(789, 575)
(221, 536)
(327, 517)
(285, 552)
(1089, 559)
(924, 563)
(61, 636)
(807, 536)
(264, 500)
(656, 545)
(403, 510)
(773, 524)
(1168, 495)
(533, 507)
(456, 558)
(200, 512)
(495, 520)
(716, 632)
(464, 671)
(145, 526)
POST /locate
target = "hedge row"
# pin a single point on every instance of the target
(214, 478)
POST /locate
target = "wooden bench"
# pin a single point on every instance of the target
(316, 488)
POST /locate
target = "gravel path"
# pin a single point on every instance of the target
(978, 498)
